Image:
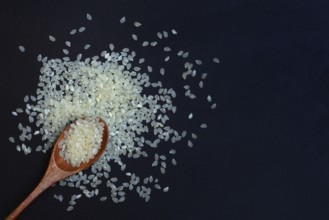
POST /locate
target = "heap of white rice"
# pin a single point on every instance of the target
(111, 87)
(81, 141)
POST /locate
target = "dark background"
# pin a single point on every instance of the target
(265, 154)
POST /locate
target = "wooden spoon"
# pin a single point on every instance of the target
(59, 169)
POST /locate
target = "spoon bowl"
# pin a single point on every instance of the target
(65, 166)
(59, 169)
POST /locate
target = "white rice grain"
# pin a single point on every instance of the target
(153, 43)
(185, 55)
(89, 17)
(11, 139)
(86, 47)
(134, 36)
(21, 48)
(65, 51)
(137, 24)
(159, 34)
(204, 75)
(201, 84)
(194, 136)
(172, 151)
(52, 38)
(216, 60)
(145, 43)
(165, 34)
(123, 20)
(82, 29)
(162, 71)
(209, 99)
(103, 198)
(111, 46)
(198, 62)
(73, 31)
(26, 98)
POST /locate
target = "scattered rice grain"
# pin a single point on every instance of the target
(86, 47)
(52, 38)
(21, 48)
(216, 60)
(134, 36)
(123, 20)
(82, 29)
(73, 31)
(89, 17)
(137, 24)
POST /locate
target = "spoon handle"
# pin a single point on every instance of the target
(42, 186)
(52, 175)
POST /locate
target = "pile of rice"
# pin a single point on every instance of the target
(81, 141)
(110, 86)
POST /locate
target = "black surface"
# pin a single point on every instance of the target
(265, 154)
